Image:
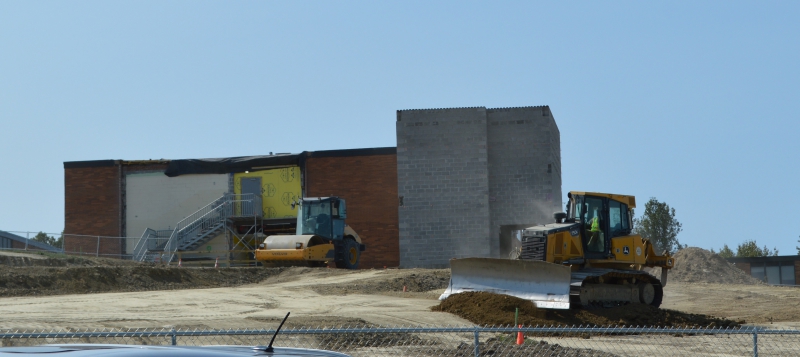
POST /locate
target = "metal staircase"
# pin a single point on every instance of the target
(196, 229)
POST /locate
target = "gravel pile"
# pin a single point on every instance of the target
(697, 265)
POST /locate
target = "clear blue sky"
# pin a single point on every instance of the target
(694, 103)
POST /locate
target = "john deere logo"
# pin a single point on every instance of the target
(626, 250)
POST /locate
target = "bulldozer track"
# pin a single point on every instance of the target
(611, 277)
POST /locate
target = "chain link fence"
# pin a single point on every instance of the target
(456, 341)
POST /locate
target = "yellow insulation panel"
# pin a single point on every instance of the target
(279, 188)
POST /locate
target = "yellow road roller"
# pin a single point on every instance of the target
(321, 237)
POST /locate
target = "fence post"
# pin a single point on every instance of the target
(27, 238)
(97, 254)
(477, 344)
(174, 337)
(755, 344)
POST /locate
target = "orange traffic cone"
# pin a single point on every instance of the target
(216, 263)
(179, 263)
(404, 288)
(520, 337)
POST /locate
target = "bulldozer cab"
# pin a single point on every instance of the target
(322, 216)
(602, 217)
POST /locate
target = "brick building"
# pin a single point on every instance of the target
(460, 183)
(119, 198)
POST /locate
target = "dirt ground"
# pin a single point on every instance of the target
(48, 292)
(489, 309)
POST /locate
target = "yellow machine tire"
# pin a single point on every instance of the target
(351, 255)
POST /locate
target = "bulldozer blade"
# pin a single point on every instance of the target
(545, 284)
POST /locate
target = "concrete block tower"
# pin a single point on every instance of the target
(469, 178)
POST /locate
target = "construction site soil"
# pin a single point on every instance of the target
(47, 275)
(703, 290)
(482, 308)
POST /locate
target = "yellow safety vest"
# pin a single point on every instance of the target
(595, 225)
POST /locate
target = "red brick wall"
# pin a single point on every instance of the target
(369, 186)
(92, 207)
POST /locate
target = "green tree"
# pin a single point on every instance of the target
(725, 252)
(750, 249)
(659, 225)
(44, 238)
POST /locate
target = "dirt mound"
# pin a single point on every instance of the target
(483, 308)
(416, 281)
(27, 274)
(697, 265)
(35, 280)
(20, 259)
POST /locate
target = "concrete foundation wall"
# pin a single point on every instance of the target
(443, 184)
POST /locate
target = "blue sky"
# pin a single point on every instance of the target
(694, 103)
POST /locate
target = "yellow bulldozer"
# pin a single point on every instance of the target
(321, 237)
(587, 258)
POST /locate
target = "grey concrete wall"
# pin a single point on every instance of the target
(443, 183)
(524, 169)
(465, 172)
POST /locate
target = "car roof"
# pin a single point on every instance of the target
(107, 350)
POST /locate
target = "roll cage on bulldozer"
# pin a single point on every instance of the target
(602, 219)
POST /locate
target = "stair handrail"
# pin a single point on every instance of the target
(243, 205)
(219, 210)
(140, 250)
(172, 243)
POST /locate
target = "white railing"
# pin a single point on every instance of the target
(140, 250)
(209, 219)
